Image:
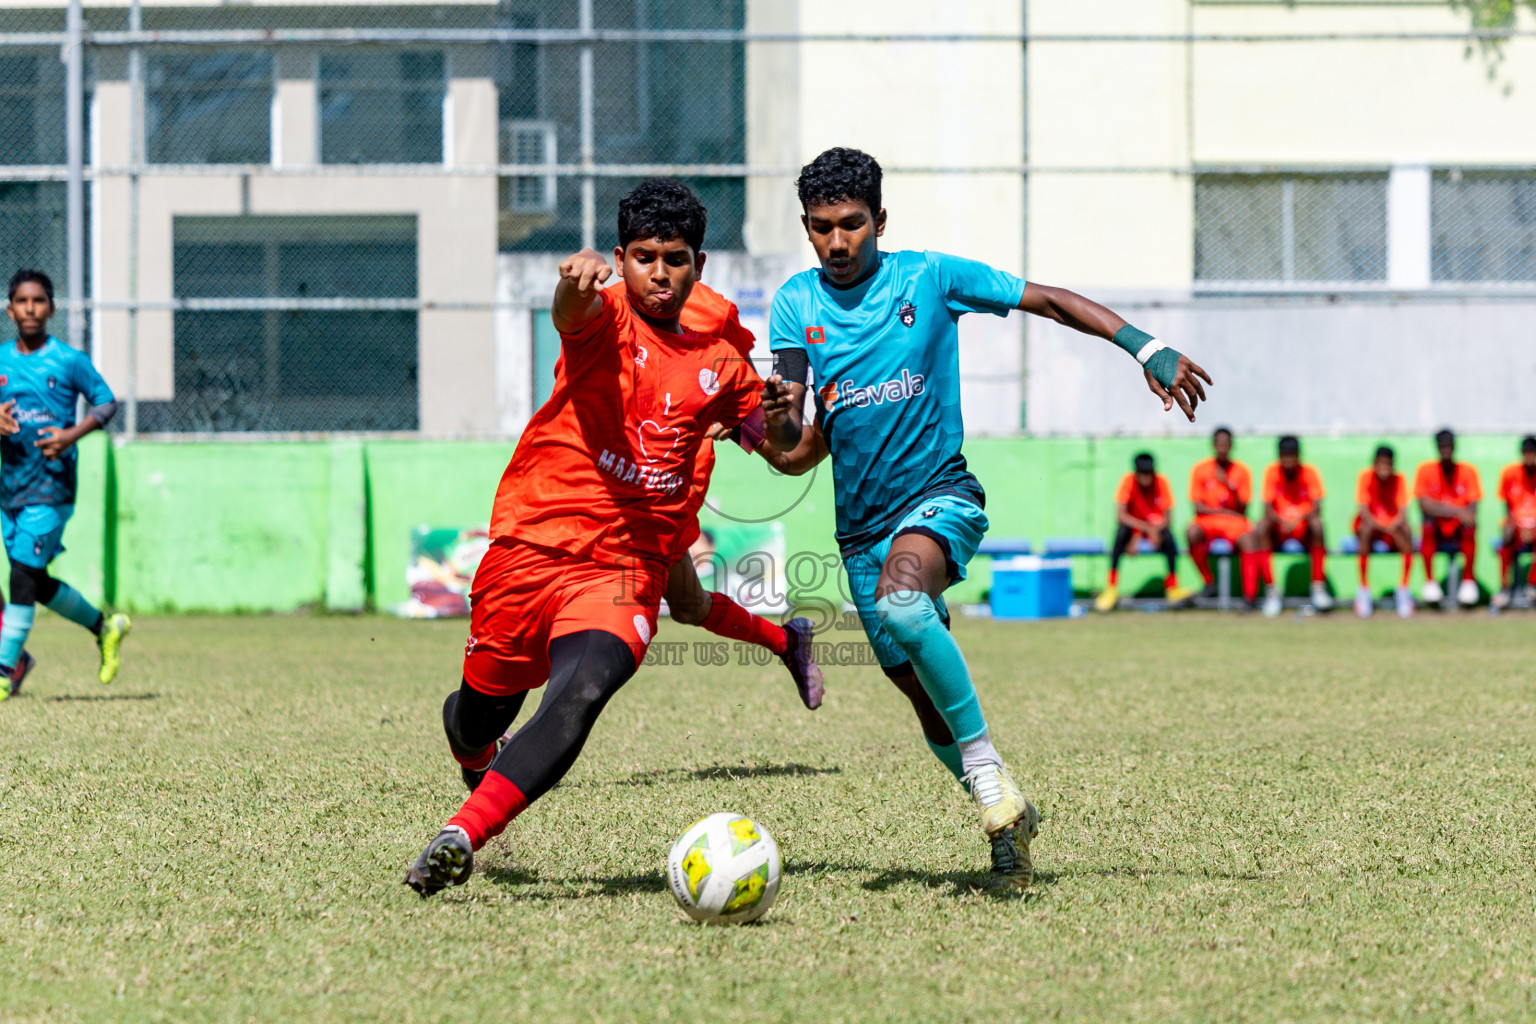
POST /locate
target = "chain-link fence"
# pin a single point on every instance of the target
(285, 209)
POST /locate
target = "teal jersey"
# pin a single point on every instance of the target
(885, 356)
(46, 386)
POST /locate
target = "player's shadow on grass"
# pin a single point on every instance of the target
(958, 883)
(791, 770)
(94, 697)
(586, 886)
(581, 887)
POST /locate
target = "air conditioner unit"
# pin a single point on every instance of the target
(524, 143)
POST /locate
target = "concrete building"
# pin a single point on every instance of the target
(1326, 219)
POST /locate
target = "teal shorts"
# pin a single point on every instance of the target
(34, 535)
(958, 525)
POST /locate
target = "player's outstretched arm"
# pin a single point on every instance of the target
(579, 295)
(1170, 375)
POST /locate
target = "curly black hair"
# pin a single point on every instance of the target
(662, 208)
(22, 277)
(840, 175)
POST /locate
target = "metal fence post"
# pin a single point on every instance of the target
(588, 186)
(74, 155)
(135, 159)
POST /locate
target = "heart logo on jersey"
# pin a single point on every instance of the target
(662, 440)
(709, 381)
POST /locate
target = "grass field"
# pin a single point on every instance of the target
(1243, 820)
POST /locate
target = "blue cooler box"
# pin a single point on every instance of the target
(1031, 587)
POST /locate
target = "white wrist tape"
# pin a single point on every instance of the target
(1149, 350)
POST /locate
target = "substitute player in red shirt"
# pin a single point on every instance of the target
(1143, 510)
(587, 518)
(1293, 506)
(1448, 492)
(710, 313)
(1517, 489)
(1219, 489)
(1382, 494)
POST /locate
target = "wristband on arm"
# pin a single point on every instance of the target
(1160, 361)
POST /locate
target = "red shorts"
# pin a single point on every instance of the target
(525, 596)
(1227, 528)
(1448, 529)
(1390, 539)
(1295, 529)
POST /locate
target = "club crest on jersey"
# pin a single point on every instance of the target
(906, 313)
(709, 381)
(641, 355)
(815, 335)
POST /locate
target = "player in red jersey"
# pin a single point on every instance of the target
(1220, 488)
(1143, 511)
(1448, 492)
(1517, 489)
(1382, 496)
(1293, 510)
(587, 518)
(708, 312)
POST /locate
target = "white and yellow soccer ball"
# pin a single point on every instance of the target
(725, 870)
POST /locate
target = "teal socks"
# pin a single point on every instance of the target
(14, 632)
(913, 621)
(68, 603)
(950, 755)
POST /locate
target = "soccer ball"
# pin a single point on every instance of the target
(725, 870)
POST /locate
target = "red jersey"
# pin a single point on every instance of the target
(1460, 489)
(708, 312)
(1385, 499)
(605, 468)
(1149, 508)
(1518, 489)
(1231, 490)
(1292, 498)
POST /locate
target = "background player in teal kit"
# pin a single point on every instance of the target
(41, 382)
(879, 332)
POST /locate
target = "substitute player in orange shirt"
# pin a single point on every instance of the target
(1448, 492)
(587, 518)
(1382, 494)
(1293, 504)
(1143, 510)
(1517, 489)
(1219, 489)
(710, 313)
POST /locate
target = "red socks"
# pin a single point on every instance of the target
(728, 619)
(1201, 553)
(1318, 556)
(489, 809)
(1407, 567)
(1114, 577)
(1248, 564)
(1468, 550)
(476, 762)
(1365, 567)
(1170, 582)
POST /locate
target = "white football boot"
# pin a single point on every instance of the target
(1431, 593)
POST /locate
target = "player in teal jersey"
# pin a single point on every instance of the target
(41, 383)
(878, 330)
